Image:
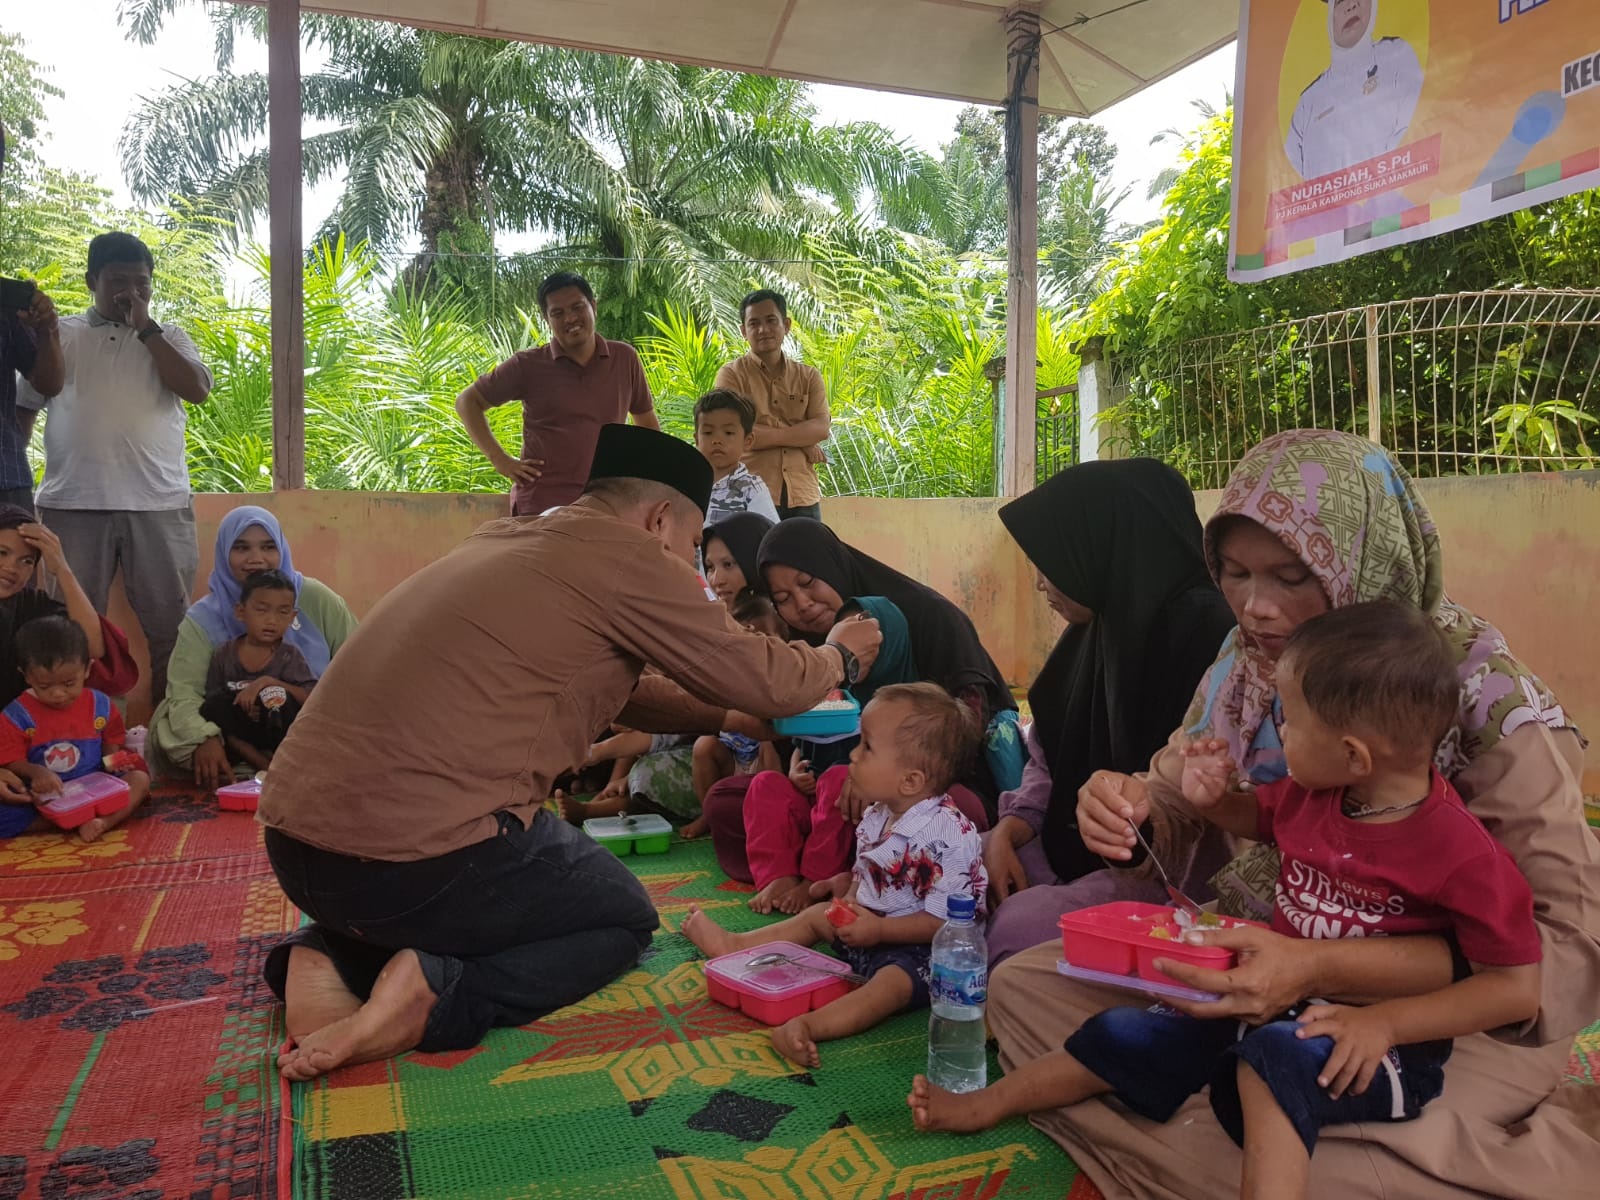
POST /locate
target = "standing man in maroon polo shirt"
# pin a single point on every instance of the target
(569, 387)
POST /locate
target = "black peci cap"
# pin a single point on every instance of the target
(634, 452)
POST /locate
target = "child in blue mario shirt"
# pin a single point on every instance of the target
(59, 729)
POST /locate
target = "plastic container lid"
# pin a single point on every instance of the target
(806, 970)
(960, 908)
(611, 828)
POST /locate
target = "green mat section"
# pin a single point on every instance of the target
(649, 1089)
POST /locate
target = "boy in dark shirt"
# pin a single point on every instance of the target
(258, 682)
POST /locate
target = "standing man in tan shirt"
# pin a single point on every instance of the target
(405, 810)
(791, 407)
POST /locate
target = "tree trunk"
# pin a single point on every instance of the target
(457, 242)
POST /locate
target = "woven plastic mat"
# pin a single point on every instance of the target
(138, 1036)
(649, 1089)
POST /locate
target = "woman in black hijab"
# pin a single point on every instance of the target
(728, 554)
(810, 573)
(1116, 547)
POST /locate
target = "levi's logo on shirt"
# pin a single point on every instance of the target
(1318, 906)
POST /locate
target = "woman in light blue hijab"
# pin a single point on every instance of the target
(249, 539)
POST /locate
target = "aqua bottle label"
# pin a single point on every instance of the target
(951, 985)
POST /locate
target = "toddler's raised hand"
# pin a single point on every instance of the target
(1207, 770)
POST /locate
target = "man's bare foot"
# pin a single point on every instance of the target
(711, 939)
(314, 995)
(390, 1023)
(695, 828)
(767, 898)
(793, 1040)
(831, 888)
(933, 1108)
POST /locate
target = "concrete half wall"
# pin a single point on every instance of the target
(1522, 550)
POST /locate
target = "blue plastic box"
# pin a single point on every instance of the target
(832, 718)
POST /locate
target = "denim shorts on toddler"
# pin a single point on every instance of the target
(869, 960)
(1156, 1058)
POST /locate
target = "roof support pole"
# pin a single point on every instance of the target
(288, 282)
(1018, 415)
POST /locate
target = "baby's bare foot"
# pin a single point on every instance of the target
(933, 1108)
(793, 1040)
(711, 939)
(92, 829)
(832, 887)
(767, 898)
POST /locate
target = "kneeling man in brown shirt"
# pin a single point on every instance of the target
(404, 811)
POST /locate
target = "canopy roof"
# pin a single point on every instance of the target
(1095, 52)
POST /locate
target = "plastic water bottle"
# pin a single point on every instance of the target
(958, 987)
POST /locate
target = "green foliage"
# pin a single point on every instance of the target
(1197, 402)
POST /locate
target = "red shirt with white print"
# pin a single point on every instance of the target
(1438, 869)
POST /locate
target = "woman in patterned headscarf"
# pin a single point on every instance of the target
(1310, 521)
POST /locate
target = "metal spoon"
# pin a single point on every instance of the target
(1188, 912)
(775, 958)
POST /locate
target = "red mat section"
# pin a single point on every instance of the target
(139, 1037)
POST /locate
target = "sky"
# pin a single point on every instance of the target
(85, 54)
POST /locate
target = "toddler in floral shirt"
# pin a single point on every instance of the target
(914, 850)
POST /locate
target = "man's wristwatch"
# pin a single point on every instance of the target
(851, 664)
(149, 331)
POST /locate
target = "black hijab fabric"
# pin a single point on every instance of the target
(1122, 539)
(741, 534)
(944, 641)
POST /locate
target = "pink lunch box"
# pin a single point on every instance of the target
(86, 797)
(1126, 938)
(240, 797)
(778, 992)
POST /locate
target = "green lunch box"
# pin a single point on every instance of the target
(646, 834)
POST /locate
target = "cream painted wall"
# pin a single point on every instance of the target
(1523, 551)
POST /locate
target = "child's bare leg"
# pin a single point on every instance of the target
(1276, 1164)
(138, 790)
(576, 812)
(712, 939)
(1053, 1081)
(832, 887)
(712, 761)
(885, 994)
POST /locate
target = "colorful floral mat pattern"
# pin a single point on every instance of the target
(651, 1090)
(137, 1032)
(140, 1042)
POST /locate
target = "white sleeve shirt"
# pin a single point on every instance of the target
(114, 438)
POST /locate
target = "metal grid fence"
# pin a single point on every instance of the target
(1468, 384)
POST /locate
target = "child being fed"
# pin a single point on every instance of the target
(1374, 843)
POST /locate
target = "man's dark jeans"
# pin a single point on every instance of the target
(785, 511)
(507, 930)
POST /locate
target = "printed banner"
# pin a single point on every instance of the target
(1363, 124)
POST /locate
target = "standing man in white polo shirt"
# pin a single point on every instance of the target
(116, 479)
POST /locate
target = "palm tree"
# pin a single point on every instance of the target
(424, 147)
(685, 185)
(670, 183)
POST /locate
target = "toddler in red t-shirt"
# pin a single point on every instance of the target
(59, 729)
(1373, 843)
